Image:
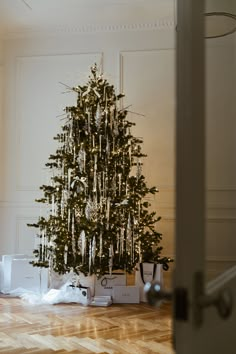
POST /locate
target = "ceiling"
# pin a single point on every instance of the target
(41, 15)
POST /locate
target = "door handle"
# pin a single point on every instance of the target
(222, 300)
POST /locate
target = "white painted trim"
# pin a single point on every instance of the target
(221, 220)
(221, 189)
(21, 205)
(171, 188)
(220, 259)
(211, 259)
(159, 25)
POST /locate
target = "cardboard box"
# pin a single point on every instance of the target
(17, 272)
(125, 295)
(105, 284)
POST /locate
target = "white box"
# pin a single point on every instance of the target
(102, 300)
(125, 295)
(19, 273)
(105, 284)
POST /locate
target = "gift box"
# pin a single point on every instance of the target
(17, 272)
(105, 284)
(125, 295)
(101, 300)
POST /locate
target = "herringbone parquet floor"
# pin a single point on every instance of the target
(74, 328)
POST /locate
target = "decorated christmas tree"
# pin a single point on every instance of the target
(98, 217)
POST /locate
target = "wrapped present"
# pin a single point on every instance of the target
(125, 295)
(105, 284)
(17, 272)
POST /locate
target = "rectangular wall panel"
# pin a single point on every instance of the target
(148, 81)
(26, 239)
(41, 96)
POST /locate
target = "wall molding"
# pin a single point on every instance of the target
(21, 219)
(160, 24)
(220, 259)
(221, 220)
(20, 204)
(221, 189)
(210, 189)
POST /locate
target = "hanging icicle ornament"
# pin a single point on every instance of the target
(100, 145)
(114, 184)
(100, 246)
(43, 241)
(108, 212)
(103, 184)
(70, 139)
(130, 153)
(81, 159)
(119, 182)
(122, 238)
(68, 220)
(65, 254)
(95, 174)
(98, 116)
(108, 149)
(53, 205)
(139, 168)
(82, 245)
(93, 249)
(88, 121)
(69, 177)
(88, 209)
(91, 210)
(111, 253)
(99, 184)
(129, 235)
(74, 154)
(73, 234)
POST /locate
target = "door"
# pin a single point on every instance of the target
(204, 316)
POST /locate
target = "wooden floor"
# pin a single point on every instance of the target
(73, 328)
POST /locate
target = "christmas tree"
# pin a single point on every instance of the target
(98, 216)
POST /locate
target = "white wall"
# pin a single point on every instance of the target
(138, 62)
(220, 158)
(1, 129)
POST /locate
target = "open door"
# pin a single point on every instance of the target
(204, 313)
